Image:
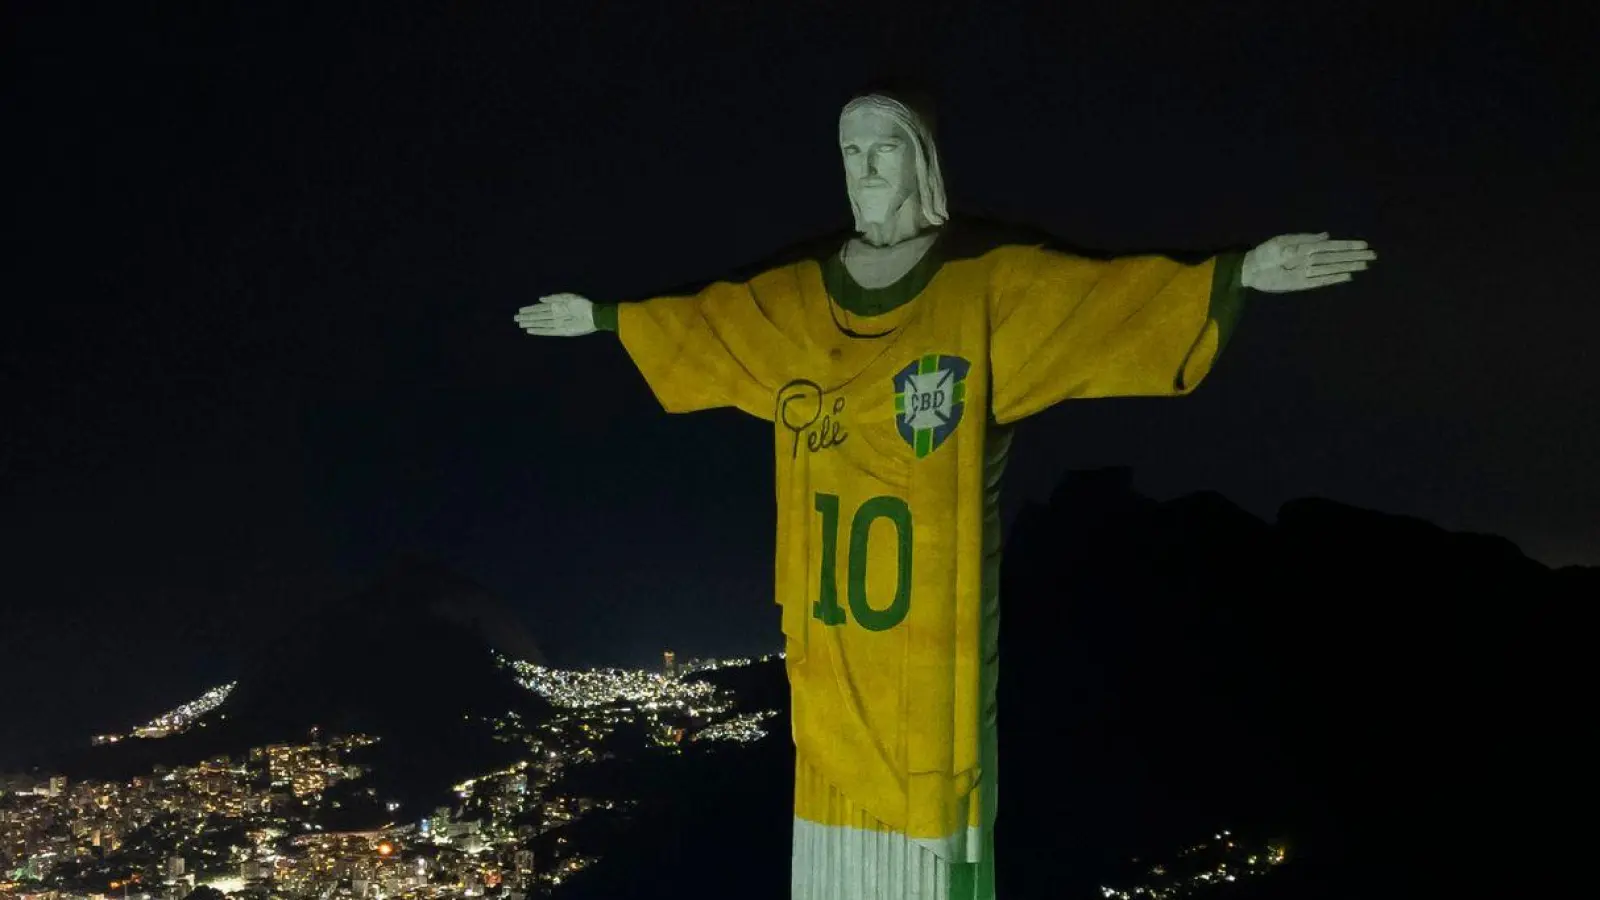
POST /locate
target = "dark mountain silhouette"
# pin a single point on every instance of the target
(1396, 697)
(407, 659)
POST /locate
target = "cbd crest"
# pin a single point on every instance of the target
(929, 397)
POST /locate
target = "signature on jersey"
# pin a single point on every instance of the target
(802, 410)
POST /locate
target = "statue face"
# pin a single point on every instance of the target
(879, 163)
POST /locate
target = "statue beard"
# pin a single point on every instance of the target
(880, 205)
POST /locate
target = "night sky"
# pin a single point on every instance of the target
(258, 335)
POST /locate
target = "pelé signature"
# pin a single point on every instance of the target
(800, 409)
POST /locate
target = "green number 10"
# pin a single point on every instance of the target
(827, 606)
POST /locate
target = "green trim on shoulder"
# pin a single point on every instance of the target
(865, 301)
(1227, 296)
(605, 316)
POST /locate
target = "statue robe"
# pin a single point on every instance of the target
(891, 410)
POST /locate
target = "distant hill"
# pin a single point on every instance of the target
(407, 659)
(1398, 697)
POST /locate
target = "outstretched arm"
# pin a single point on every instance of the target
(1067, 327)
(710, 349)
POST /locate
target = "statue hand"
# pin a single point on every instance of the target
(558, 315)
(1299, 262)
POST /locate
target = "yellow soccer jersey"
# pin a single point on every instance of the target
(888, 538)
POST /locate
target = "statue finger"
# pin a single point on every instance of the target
(1341, 245)
(1335, 268)
(1340, 256)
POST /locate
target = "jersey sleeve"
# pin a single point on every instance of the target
(711, 349)
(1066, 327)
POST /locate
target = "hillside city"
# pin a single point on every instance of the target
(243, 825)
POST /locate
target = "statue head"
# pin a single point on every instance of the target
(890, 164)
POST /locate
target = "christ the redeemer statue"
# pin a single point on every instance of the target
(893, 362)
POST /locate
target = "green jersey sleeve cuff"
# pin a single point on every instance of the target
(605, 316)
(1227, 296)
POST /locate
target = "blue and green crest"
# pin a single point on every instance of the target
(929, 396)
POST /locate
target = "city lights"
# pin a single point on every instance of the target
(1224, 859)
(741, 729)
(175, 721)
(251, 823)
